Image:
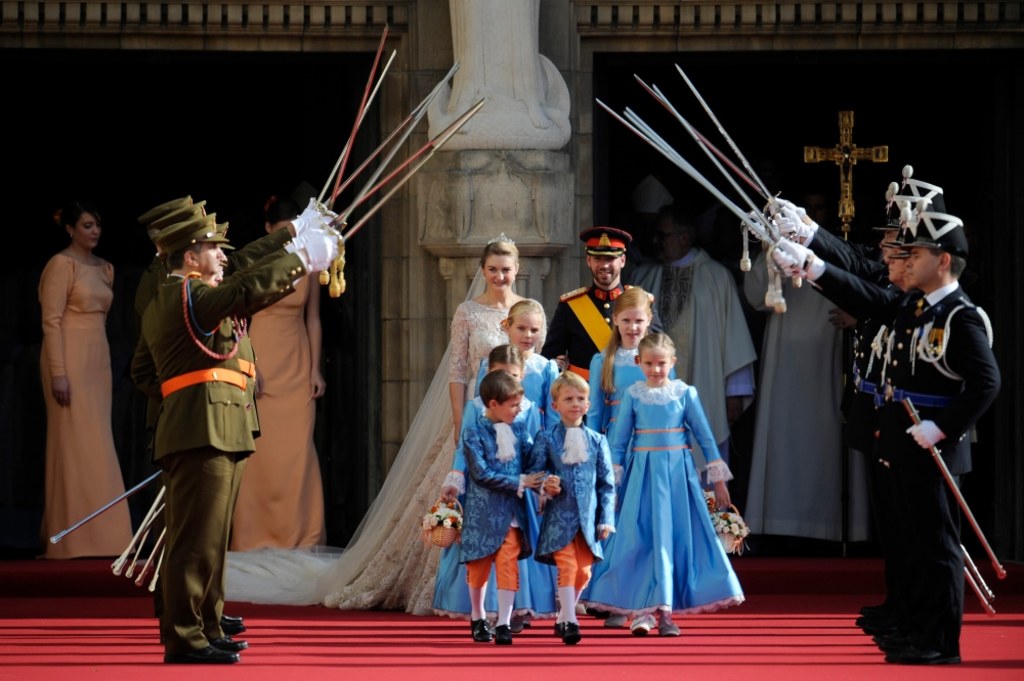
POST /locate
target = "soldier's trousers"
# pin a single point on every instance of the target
(202, 487)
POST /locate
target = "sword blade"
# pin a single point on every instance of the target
(664, 101)
(360, 113)
(426, 151)
(410, 124)
(637, 126)
(63, 533)
(725, 135)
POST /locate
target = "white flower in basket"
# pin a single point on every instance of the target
(443, 523)
(729, 525)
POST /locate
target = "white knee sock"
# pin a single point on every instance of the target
(566, 604)
(505, 599)
(476, 602)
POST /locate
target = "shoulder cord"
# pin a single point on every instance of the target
(192, 325)
(937, 358)
(875, 349)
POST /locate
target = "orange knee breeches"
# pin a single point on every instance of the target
(506, 564)
(574, 562)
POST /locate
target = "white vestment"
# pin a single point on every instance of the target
(796, 480)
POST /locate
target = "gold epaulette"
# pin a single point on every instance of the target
(575, 293)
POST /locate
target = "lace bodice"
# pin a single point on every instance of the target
(476, 330)
(625, 357)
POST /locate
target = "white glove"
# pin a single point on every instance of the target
(757, 219)
(926, 434)
(316, 248)
(794, 223)
(316, 216)
(797, 260)
(789, 263)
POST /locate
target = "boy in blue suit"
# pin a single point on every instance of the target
(495, 511)
(581, 510)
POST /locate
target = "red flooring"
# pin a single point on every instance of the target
(74, 620)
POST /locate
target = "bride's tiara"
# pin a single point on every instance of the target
(504, 238)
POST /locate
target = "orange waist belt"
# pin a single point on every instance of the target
(177, 383)
(580, 371)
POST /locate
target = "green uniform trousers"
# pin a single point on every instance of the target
(202, 486)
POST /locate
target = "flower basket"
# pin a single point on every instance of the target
(729, 525)
(442, 525)
(443, 536)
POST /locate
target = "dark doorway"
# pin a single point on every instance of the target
(953, 115)
(128, 130)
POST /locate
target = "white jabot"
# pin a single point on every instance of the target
(575, 446)
(506, 441)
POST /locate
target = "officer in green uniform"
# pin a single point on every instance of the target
(155, 220)
(189, 354)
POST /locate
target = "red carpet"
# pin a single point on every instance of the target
(71, 620)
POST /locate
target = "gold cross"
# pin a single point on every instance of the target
(845, 155)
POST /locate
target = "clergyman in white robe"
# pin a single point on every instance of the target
(796, 478)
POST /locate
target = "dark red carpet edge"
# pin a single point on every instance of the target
(71, 620)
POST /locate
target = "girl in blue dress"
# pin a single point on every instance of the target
(616, 368)
(671, 561)
(611, 372)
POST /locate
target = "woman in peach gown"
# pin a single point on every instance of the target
(281, 501)
(82, 469)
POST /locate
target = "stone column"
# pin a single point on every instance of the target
(507, 171)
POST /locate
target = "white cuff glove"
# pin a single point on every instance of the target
(755, 218)
(926, 434)
(454, 484)
(793, 222)
(316, 248)
(797, 260)
(316, 216)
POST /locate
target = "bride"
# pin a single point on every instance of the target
(386, 565)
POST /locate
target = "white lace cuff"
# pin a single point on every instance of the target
(610, 528)
(454, 480)
(522, 485)
(617, 469)
(718, 471)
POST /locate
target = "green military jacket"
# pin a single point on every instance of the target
(213, 414)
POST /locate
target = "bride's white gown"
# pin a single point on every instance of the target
(386, 565)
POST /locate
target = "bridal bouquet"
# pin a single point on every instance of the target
(729, 525)
(443, 523)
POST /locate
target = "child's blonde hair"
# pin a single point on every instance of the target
(633, 298)
(525, 306)
(568, 379)
(506, 354)
(656, 341)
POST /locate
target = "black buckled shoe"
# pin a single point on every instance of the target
(559, 629)
(481, 633)
(231, 625)
(503, 635)
(571, 633)
(207, 655)
(229, 644)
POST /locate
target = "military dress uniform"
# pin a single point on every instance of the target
(582, 323)
(939, 356)
(189, 352)
(868, 342)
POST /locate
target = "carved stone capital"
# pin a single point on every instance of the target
(467, 198)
